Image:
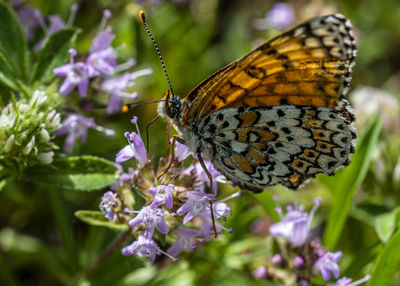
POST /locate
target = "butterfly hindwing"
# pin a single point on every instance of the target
(261, 147)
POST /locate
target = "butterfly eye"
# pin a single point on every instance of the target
(174, 107)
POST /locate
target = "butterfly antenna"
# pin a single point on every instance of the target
(144, 23)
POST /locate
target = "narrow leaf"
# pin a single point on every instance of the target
(267, 202)
(13, 45)
(7, 77)
(97, 218)
(385, 225)
(84, 173)
(386, 263)
(54, 53)
(346, 182)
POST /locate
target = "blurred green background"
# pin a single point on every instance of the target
(42, 243)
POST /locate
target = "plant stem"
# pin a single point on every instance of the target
(115, 245)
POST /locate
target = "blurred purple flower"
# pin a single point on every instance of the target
(163, 194)
(281, 17)
(135, 148)
(186, 240)
(76, 74)
(116, 88)
(28, 17)
(102, 41)
(56, 24)
(327, 264)
(260, 273)
(295, 225)
(108, 203)
(298, 262)
(151, 218)
(102, 56)
(76, 126)
(276, 259)
(143, 247)
(348, 281)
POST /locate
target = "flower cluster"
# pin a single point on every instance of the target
(178, 198)
(25, 131)
(101, 65)
(302, 255)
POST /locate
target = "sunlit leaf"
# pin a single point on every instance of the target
(13, 45)
(97, 218)
(84, 173)
(53, 54)
(387, 262)
(347, 181)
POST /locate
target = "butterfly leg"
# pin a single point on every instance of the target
(203, 165)
(174, 139)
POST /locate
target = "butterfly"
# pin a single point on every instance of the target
(277, 115)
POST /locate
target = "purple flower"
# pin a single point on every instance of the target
(103, 57)
(281, 16)
(151, 218)
(76, 126)
(108, 203)
(163, 194)
(348, 281)
(201, 177)
(28, 17)
(76, 74)
(102, 41)
(116, 88)
(220, 210)
(295, 225)
(276, 259)
(124, 178)
(298, 262)
(135, 148)
(181, 151)
(186, 240)
(327, 264)
(260, 273)
(196, 203)
(56, 24)
(143, 247)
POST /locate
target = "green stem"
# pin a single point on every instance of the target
(110, 250)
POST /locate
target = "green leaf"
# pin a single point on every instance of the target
(13, 45)
(53, 54)
(97, 218)
(267, 202)
(6, 75)
(3, 183)
(346, 182)
(139, 200)
(386, 263)
(84, 173)
(385, 225)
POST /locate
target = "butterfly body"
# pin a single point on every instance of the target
(277, 115)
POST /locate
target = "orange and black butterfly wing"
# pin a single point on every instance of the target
(309, 65)
(277, 116)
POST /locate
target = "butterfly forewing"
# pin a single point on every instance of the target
(309, 65)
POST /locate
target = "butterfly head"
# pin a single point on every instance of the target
(171, 106)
